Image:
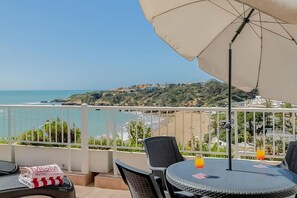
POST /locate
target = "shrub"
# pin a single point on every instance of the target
(138, 131)
(52, 131)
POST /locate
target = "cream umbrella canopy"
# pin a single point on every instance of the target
(261, 33)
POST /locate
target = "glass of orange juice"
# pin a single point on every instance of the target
(199, 162)
(260, 154)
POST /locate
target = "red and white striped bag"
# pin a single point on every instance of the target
(38, 176)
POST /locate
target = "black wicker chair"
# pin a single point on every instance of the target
(141, 184)
(162, 151)
(290, 160)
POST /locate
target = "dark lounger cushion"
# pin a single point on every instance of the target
(10, 187)
(7, 168)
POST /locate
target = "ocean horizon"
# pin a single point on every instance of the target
(38, 97)
(32, 97)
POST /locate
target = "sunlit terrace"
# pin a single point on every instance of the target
(85, 140)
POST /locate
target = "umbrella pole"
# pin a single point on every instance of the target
(228, 124)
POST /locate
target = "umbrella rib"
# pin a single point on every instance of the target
(238, 16)
(234, 8)
(258, 12)
(243, 8)
(270, 22)
(290, 39)
(281, 25)
(260, 37)
(254, 31)
(179, 7)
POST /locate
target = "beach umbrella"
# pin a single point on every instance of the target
(261, 33)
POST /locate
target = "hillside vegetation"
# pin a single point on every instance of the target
(212, 94)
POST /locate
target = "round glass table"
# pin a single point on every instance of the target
(245, 180)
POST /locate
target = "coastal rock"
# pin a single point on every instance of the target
(58, 100)
(72, 103)
(102, 103)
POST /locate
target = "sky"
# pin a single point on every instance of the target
(84, 45)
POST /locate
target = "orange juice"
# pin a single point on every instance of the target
(199, 162)
(260, 154)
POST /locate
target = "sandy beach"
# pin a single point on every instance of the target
(184, 125)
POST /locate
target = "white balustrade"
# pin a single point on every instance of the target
(197, 130)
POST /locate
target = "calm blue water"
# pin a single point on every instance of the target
(35, 96)
(25, 119)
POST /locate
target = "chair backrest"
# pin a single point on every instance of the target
(162, 151)
(291, 156)
(141, 184)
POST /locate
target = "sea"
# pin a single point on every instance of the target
(30, 97)
(100, 122)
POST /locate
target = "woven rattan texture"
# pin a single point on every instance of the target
(243, 181)
(139, 186)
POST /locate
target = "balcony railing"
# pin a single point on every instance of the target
(197, 130)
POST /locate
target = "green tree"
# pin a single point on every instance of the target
(53, 131)
(57, 131)
(138, 131)
(214, 123)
